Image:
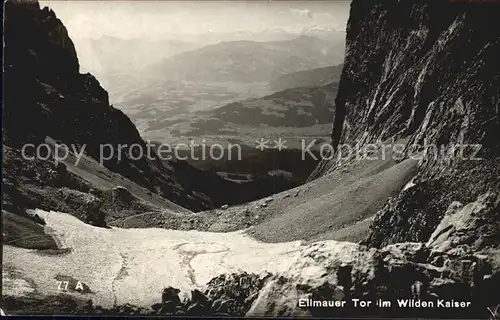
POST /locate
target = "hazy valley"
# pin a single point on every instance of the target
(237, 93)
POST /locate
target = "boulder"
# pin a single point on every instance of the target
(199, 305)
(234, 293)
(36, 218)
(170, 301)
(170, 295)
(121, 194)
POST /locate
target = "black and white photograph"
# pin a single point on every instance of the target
(251, 158)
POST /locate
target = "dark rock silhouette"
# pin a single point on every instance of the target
(430, 74)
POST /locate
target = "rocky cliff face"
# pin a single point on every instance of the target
(45, 95)
(426, 71)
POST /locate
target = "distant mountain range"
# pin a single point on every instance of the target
(308, 78)
(273, 34)
(108, 57)
(109, 54)
(249, 61)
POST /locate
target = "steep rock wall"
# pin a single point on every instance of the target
(427, 71)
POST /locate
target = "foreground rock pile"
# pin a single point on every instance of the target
(225, 295)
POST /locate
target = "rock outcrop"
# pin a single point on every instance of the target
(42, 184)
(425, 69)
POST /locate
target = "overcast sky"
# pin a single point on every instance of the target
(157, 19)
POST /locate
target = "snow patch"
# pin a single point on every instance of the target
(154, 258)
(410, 184)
